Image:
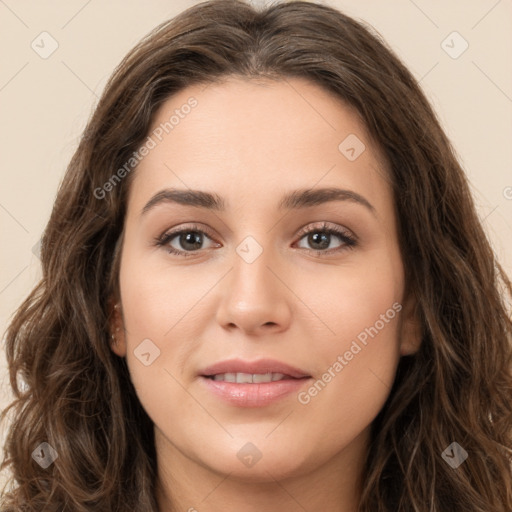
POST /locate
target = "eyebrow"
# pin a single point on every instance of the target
(295, 200)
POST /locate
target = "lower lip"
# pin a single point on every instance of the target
(253, 395)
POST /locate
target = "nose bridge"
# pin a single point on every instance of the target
(252, 295)
(251, 276)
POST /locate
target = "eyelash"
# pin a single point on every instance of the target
(349, 241)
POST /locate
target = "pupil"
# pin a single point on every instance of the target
(324, 239)
(193, 238)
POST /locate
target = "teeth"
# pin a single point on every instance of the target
(244, 378)
(263, 377)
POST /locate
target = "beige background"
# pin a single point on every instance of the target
(45, 102)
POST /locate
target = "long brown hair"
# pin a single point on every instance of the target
(456, 388)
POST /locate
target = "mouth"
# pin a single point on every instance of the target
(252, 383)
(239, 370)
(249, 378)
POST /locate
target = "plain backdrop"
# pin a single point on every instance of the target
(460, 53)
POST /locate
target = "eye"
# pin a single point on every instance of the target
(188, 240)
(320, 238)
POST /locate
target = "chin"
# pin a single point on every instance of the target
(258, 461)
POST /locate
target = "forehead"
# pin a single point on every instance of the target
(251, 138)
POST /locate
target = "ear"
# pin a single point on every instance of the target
(116, 328)
(410, 327)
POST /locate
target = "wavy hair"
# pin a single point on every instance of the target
(77, 394)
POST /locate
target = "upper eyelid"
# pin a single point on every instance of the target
(192, 227)
(306, 229)
(327, 226)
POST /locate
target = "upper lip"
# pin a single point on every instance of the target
(258, 366)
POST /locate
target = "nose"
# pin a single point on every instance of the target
(255, 297)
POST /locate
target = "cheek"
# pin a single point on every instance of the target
(163, 314)
(353, 302)
(158, 299)
(150, 304)
(359, 310)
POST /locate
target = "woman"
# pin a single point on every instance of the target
(265, 287)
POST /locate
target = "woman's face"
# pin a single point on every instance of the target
(287, 263)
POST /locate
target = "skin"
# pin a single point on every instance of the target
(252, 142)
